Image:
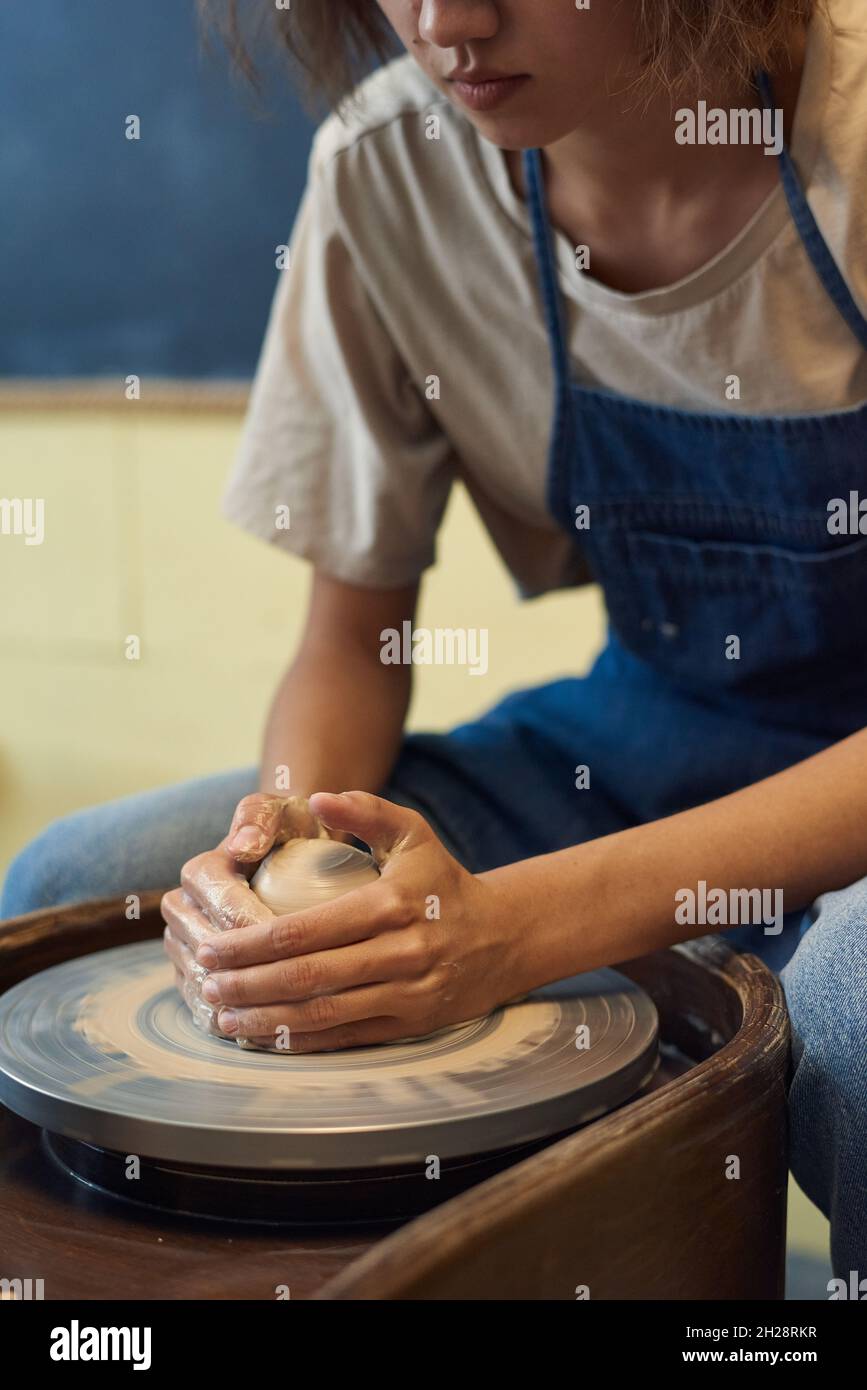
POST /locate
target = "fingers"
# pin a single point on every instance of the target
(223, 894)
(183, 959)
(327, 1012)
(263, 820)
(356, 916)
(239, 1006)
(186, 921)
(332, 977)
(188, 980)
(176, 953)
(382, 824)
(325, 972)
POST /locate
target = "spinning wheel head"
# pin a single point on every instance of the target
(103, 1050)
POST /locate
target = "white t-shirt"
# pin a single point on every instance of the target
(412, 258)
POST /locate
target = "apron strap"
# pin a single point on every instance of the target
(546, 261)
(802, 214)
(808, 229)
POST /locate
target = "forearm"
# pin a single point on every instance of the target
(800, 833)
(336, 720)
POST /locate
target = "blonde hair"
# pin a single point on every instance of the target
(687, 44)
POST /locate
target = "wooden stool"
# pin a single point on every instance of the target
(642, 1203)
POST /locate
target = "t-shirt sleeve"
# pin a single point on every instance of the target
(340, 461)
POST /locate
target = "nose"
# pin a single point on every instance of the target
(451, 23)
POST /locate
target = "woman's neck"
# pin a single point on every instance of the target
(652, 210)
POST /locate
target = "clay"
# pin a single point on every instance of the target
(305, 873)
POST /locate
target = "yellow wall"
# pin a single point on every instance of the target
(134, 544)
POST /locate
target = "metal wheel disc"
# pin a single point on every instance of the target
(102, 1049)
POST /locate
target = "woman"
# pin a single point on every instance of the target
(546, 199)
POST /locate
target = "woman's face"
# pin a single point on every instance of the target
(551, 62)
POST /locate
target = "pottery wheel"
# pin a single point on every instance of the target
(103, 1050)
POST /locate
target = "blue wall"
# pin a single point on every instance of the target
(153, 256)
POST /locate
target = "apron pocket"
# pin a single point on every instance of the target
(721, 614)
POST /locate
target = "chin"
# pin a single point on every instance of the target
(527, 130)
(514, 134)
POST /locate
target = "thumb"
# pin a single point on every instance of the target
(263, 820)
(385, 826)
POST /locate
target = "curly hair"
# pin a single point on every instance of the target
(684, 43)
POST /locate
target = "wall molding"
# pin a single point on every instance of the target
(99, 393)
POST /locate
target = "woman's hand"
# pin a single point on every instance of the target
(215, 895)
(428, 945)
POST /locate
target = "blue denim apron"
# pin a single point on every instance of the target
(703, 527)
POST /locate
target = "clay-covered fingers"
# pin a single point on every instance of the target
(188, 979)
(328, 1012)
(223, 894)
(186, 921)
(182, 958)
(310, 976)
(356, 916)
(262, 820)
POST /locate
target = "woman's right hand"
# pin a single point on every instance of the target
(215, 893)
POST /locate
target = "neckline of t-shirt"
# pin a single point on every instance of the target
(743, 252)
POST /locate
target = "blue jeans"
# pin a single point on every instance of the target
(141, 841)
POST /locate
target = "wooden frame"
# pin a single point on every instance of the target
(642, 1204)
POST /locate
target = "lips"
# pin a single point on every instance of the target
(486, 91)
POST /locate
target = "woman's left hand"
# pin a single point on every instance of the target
(427, 945)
